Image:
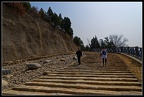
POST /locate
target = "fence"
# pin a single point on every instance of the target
(132, 51)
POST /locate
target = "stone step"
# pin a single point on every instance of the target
(89, 78)
(102, 67)
(15, 92)
(89, 82)
(82, 80)
(94, 71)
(86, 66)
(86, 86)
(74, 91)
(96, 75)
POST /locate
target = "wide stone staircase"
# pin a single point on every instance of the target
(82, 80)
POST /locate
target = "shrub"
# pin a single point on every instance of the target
(18, 8)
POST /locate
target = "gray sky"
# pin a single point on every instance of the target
(101, 19)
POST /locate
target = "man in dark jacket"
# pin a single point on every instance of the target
(79, 55)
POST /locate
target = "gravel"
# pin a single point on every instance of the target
(20, 73)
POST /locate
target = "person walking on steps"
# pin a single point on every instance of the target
(104, 55)
(79, 55)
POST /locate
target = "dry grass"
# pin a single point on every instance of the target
(118, 61)
(133, 65)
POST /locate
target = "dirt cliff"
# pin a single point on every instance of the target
(28, 37)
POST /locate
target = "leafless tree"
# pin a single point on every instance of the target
(89, 43)
(118, 40)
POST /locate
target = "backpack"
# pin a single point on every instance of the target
(104, 52)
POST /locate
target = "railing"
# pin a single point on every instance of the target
(132, 51)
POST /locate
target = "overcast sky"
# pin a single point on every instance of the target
(101, 19)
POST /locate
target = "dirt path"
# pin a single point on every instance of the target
(89, 78)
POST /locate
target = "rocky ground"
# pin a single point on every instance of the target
(20, 74)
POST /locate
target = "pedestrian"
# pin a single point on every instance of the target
(104, 55)
(79, 55)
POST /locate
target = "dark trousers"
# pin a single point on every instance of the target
(79, 59)
(104, 61)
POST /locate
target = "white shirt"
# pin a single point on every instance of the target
(104, 56)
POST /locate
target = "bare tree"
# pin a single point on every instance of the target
(89, 42)
(90, 45)
(118, 40)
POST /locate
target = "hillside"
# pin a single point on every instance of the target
(26, 37)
